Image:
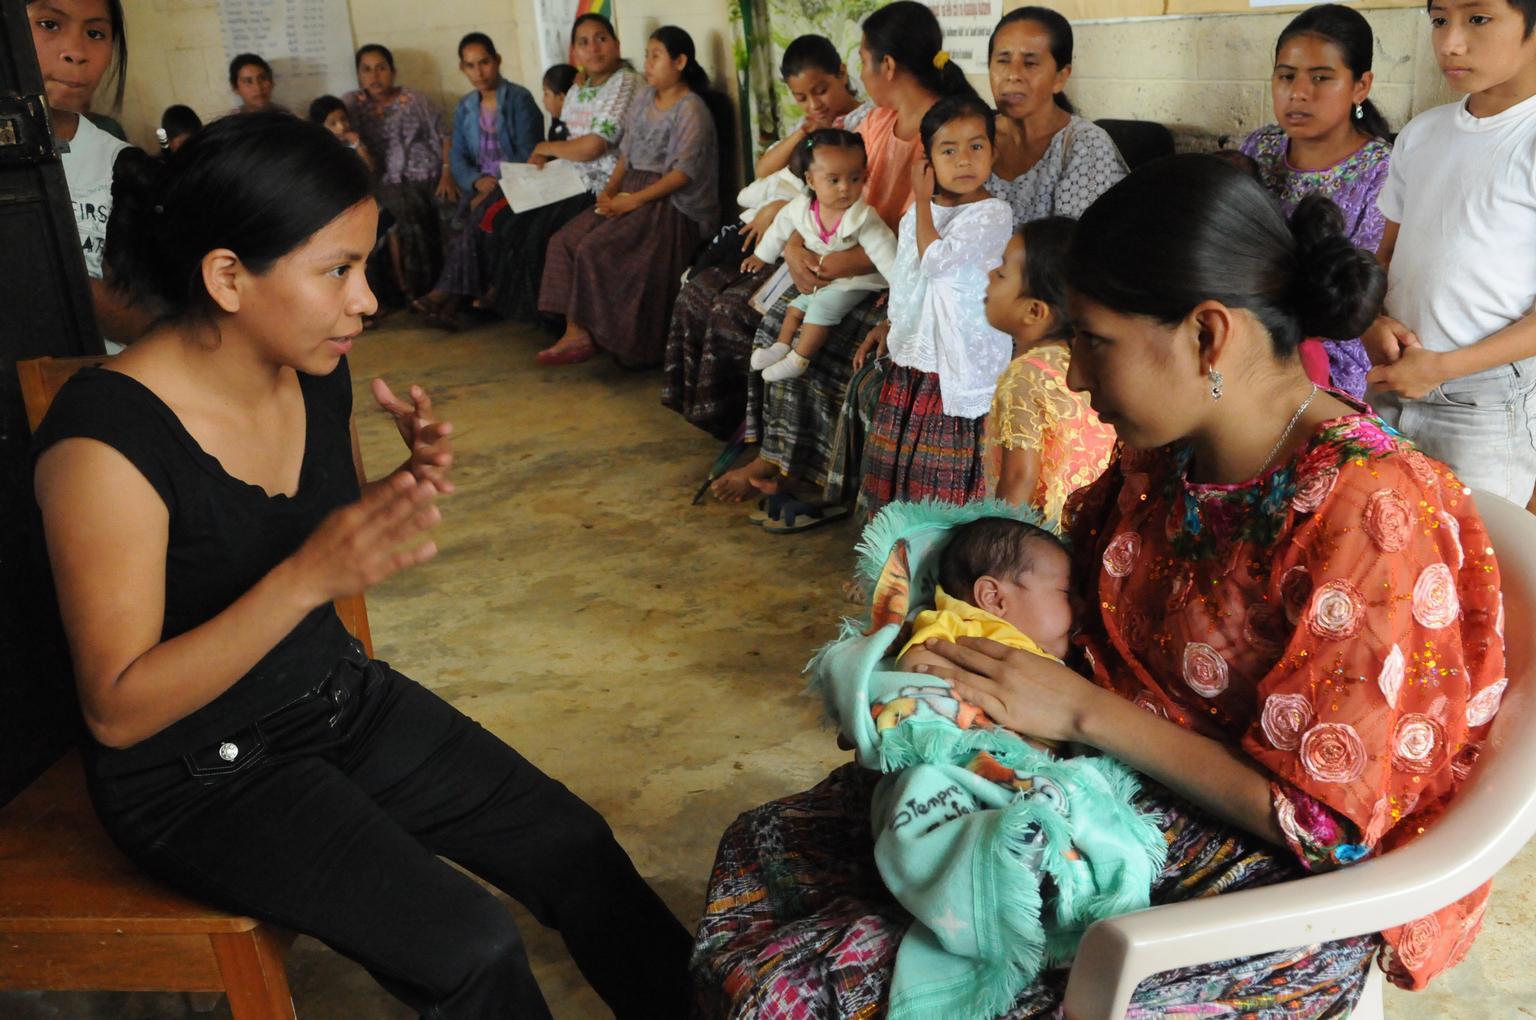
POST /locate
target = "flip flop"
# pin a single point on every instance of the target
(797, 516)
(769, 507)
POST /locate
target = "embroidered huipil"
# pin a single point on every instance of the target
(1338, 618)
(405, 134)
(600, 110)
(938, 303)
(1034, 410)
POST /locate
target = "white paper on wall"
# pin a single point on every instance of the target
(308, 43)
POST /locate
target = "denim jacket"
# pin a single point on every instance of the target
(522, 127)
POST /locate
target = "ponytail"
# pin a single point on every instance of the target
(1186, 229)
(909, 33)
(1373, 122)
(679, 43)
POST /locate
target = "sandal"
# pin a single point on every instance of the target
(769, 508)
(795, 515)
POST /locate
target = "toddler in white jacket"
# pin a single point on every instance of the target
(831, 215)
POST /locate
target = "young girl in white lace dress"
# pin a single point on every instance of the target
(926, 438)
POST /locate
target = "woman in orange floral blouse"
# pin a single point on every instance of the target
(1300, 629)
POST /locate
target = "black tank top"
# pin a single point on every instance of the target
(225, 535)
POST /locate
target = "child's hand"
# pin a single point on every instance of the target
(922, 180)
(1386, 339)
(875, 341)
(753, 232)
(1415, 372)
(425, 436)
(752, 264)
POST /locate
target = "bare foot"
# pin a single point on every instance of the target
(739, 483)
(574, 347)
(767, 486)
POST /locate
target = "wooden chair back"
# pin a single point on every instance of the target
(41, 380)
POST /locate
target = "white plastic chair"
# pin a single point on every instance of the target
(1490, 820)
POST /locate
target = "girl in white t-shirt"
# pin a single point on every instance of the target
(77, 43)
(926, 438)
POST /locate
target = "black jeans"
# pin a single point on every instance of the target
(330, 819)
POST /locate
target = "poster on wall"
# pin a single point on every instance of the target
(967, 25)
(555, 18)
(307, 42)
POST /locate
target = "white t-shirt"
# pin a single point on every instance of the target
(88, 168)
(1463, 189)
(938, 303)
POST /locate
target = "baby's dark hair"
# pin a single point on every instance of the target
(953, 108)
(823, 138)
(1047, 241)
(324, 106)
(1240, 159)
(987, 547)
(559, 78)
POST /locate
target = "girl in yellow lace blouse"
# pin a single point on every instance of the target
(1043, 442)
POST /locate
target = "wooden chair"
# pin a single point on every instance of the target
(75, 914)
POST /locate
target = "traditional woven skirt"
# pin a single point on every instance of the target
(518, 245)
(618, 277)
(915, 451)
(468, 256)
(795, 420)
(417, 230)
(845, 470)
(709, 348)
(798, 925)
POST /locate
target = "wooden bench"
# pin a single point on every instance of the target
(75, 914)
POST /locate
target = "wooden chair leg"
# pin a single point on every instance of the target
(251, 964)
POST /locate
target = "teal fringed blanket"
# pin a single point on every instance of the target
(1003, 853)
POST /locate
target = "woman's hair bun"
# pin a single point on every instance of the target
(131, 259)
(1338, 288)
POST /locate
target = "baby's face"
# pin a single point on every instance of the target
(1038, 601)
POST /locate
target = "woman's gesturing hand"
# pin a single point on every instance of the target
(425, 436)
(1025, 692)
(361, 544)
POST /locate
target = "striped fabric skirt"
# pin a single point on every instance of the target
(915, 451)
(518, 244)
(798, 924)
(417, 231)
(796, 420)
(709, 348)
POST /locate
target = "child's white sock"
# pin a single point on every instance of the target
(765, 356)
(792, 367)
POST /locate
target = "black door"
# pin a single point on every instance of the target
(45, 308)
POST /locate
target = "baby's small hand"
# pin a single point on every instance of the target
(752, 264)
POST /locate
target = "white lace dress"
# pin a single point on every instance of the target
(938, 303)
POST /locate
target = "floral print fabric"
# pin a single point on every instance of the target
(1339, 619)
(405, 134)
(600, 110)
(1079, 165)
(1034, 410)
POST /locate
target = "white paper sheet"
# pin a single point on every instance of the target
(529, 187)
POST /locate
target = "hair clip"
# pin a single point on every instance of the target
(940, 59)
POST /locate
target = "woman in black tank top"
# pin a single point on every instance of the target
(202, 514)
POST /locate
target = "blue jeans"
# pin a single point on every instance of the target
(1480, 425)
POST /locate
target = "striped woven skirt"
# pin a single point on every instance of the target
(799, 926)
(915, 451)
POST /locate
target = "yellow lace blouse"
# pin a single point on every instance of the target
(1034, 410)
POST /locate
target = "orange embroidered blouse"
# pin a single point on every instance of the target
(1339, 619)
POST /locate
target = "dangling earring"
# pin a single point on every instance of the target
(1359, 112)
(1215, 378)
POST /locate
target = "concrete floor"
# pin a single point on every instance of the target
(644, 651)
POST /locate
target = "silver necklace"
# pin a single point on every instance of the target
(1289, 426)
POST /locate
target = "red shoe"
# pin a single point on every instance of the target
(569, 356)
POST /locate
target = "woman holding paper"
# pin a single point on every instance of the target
(594, 111)
(613, 271)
